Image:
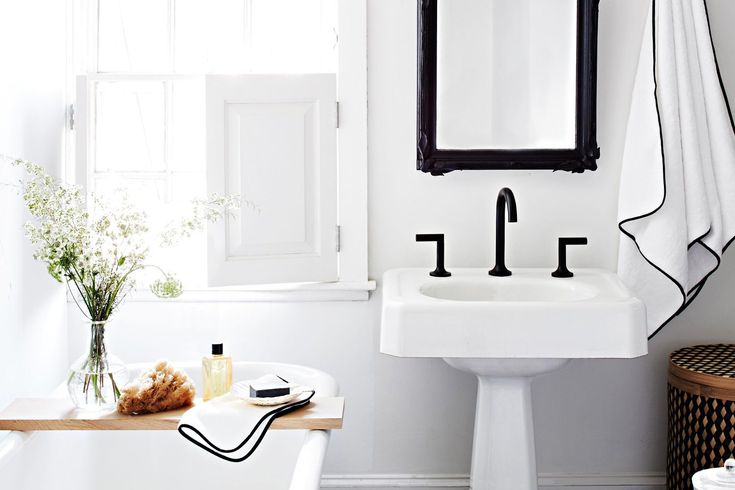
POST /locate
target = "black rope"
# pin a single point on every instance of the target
(268, 418)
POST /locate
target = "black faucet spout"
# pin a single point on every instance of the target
(505, 196)
(506, 199)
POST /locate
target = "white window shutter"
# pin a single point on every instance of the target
(272, 139)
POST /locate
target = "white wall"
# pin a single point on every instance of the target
(415, 416)
(32, 305)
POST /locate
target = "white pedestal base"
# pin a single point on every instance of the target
(503, 451)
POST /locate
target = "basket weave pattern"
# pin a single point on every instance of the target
(701, 428)
(701, 436)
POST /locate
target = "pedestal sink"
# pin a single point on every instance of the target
(506, 330)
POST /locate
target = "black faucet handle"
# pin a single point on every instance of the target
(440, 271)
(561, 270)
(576, 240)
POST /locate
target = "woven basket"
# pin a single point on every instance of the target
(701, 395)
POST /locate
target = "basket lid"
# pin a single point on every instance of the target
(709, 365)
(716, 478)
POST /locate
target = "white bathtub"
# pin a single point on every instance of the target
(148, 460)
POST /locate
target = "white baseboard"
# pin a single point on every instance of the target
(636, 481)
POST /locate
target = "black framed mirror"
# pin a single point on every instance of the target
(507, 84)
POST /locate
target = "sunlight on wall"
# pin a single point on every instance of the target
(32, 307)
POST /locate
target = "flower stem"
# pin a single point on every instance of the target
(97, 366)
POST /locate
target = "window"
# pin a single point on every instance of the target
(146, 77)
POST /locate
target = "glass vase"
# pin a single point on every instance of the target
(96, 378)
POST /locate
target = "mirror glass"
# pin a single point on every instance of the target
(506, 74)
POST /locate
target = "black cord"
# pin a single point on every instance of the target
(268, 418)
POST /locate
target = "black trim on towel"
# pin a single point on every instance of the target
(268, 418)
(697, 288)
(728, 244)
(663, 163)
(687, 298)
(717, 266)
(722, 87)
(696, 240)
(696, 293)
(718, 257)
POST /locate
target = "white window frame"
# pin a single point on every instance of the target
(353, 283)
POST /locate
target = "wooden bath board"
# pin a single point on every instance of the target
(30, 414)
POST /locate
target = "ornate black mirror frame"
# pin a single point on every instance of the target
(439, 161)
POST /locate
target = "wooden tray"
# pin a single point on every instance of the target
(29, 414)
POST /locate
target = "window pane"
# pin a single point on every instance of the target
(145, 193)
(188, 258)
(210, 36)
(256, 36)
(185, 187)
(294, 36)
(130, 126)
(133, 36)
(165, 203)
(162, 198)
(187, 108)
(329, 35)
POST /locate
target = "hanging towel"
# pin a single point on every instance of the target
(230, 428)
(677, 189)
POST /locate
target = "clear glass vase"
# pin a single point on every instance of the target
(96, 378)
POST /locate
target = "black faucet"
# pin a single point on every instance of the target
(562, 270)
(505, 199)
(440, 271)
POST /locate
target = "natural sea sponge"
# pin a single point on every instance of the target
(156, 390)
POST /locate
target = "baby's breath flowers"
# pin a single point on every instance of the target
(98, 251)
(204, 211)
(170, 287)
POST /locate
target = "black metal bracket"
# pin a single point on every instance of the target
(440, 271)
(561, 270)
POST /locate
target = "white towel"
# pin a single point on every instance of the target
(230, 428)
(677, 188)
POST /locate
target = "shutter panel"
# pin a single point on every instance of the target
(272, 139)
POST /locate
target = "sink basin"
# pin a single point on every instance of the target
(505, 331)
(513, 289)
(527, 315)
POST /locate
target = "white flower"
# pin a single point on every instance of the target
(98, 254)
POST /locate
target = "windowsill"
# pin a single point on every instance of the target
(312, 292)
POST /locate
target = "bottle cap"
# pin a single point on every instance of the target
(217, 349)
